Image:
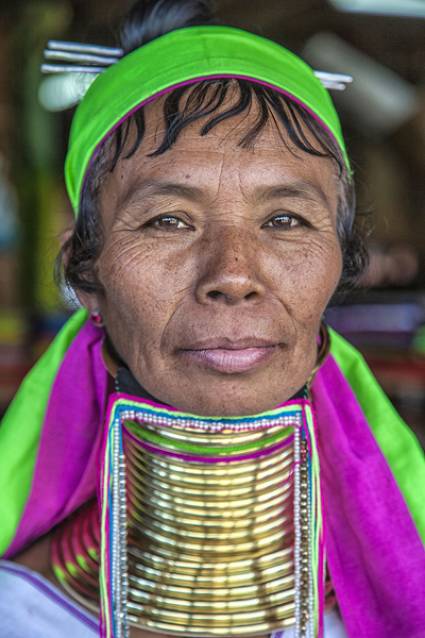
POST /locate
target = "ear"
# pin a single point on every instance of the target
(89, 300)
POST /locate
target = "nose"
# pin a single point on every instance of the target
(230, 270)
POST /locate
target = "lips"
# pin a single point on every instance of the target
(230, 356)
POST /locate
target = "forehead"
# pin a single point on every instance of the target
(193, 157)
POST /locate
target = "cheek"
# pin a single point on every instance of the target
(320, 271)
(141, 293)
(126, 282)
(308, 275)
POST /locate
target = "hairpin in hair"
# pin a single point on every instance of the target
(334, 81)
(74, 57)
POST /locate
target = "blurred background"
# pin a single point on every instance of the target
(380, 42)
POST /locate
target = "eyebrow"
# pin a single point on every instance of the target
(155, 187)
(297, 190)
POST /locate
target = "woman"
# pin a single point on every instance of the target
(246, 475)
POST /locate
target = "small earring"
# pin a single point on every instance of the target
(97, 319)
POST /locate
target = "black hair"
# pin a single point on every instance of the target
(148, 20)
(145, 22)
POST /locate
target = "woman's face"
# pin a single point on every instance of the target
(217, 265)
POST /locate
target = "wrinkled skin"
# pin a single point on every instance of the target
(231, 260)
(236, 261)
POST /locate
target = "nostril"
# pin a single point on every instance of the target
(217, 294)
(214, 294)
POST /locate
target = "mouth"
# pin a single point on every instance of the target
(231, 357)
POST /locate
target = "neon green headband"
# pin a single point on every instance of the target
(182, 57)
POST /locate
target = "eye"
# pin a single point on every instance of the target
(284, 221)
(167, 222)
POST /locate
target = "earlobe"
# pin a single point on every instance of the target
(90, 301)
(97, 319)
